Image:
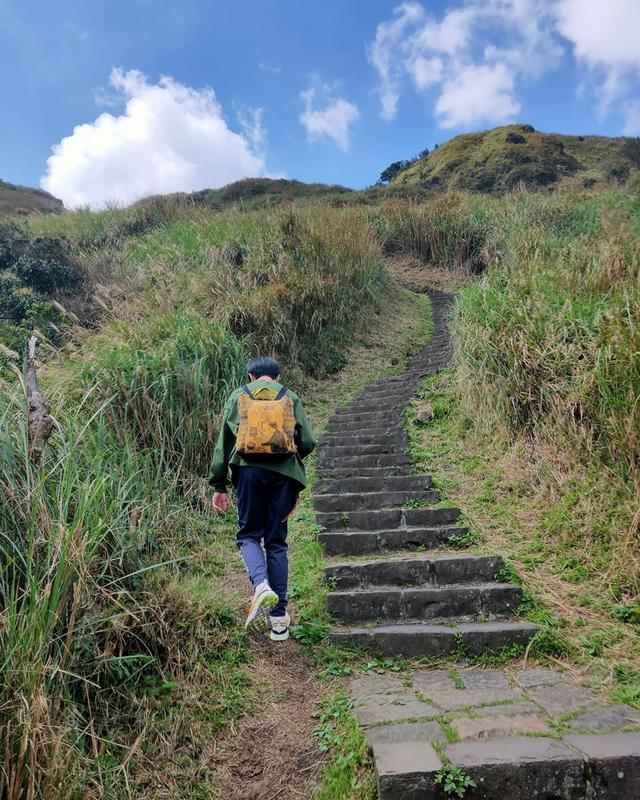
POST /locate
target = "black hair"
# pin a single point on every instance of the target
(263, 365)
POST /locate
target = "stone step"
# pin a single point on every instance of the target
(588, 767)
(436, 570)
(375, 414)
(391, 425)
(373, 483)
(505, 737)
(426, 603)
(387, 519)
(365, 460)
(361, 501)
(392, 399)
(414, 640)
(388, 430)
(336, 473)
(364, 406)
(393, 382)
(357, 438)
(330, 450)
(356, 543)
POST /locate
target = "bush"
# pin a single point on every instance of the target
(33, 271)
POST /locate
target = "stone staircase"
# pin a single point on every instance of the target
(392, 590)
(516, 734)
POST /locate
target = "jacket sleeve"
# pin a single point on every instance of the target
(219, 473)
(305, 440)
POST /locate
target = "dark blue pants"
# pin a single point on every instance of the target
(264, 499)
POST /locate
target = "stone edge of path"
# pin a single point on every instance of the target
(527, 734)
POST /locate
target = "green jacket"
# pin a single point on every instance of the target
(225, 454)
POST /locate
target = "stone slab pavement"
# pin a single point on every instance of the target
(518, 735)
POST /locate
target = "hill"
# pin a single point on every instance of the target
(500, 159)
(23, 200)
(257, 193)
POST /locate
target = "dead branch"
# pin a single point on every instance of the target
(39, 422)
(8, 352)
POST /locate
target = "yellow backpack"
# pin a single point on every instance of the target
(267, 423)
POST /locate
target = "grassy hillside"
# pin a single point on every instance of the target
(22, 200)
(499, 160)
(117, 627)
(112, 597)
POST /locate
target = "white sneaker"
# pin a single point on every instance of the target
(264, 598)
(280, 628)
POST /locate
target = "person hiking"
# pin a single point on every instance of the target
(264, 437)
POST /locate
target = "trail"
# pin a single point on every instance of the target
(271, 753)
(371, 505)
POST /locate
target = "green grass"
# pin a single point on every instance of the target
(566, 589)
(542, 348)
(347, 776)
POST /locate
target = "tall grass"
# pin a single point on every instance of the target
(297, 283)
(548, 345)
(164, 381)
(136, 407)
(80, 535)
(449, 231)
(67, 547)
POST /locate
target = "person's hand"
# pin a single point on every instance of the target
(220, 502)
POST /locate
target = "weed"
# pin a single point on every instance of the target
(310, 630)
(627, 612)
(508, 574)
(462, 541)
(383, 664)
(454, 781)
(345, 776)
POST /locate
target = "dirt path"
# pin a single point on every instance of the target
(271, 753)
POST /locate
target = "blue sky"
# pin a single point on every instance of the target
(327, 91)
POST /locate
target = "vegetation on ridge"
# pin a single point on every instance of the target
(24, 200)
(501, 159)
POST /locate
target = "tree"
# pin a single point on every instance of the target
(394, 169)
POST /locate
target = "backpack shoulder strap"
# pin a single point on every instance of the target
(281, 393)
(245, 389)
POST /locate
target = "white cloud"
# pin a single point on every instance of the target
(383, 54)
(252, 125)
(494, 46)
(452, 34)
(170, 137)
(425, 72)
(474, 53)
(477, 94)
(602, 33)
(265, 66)
(333, 121)
(606, 38)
